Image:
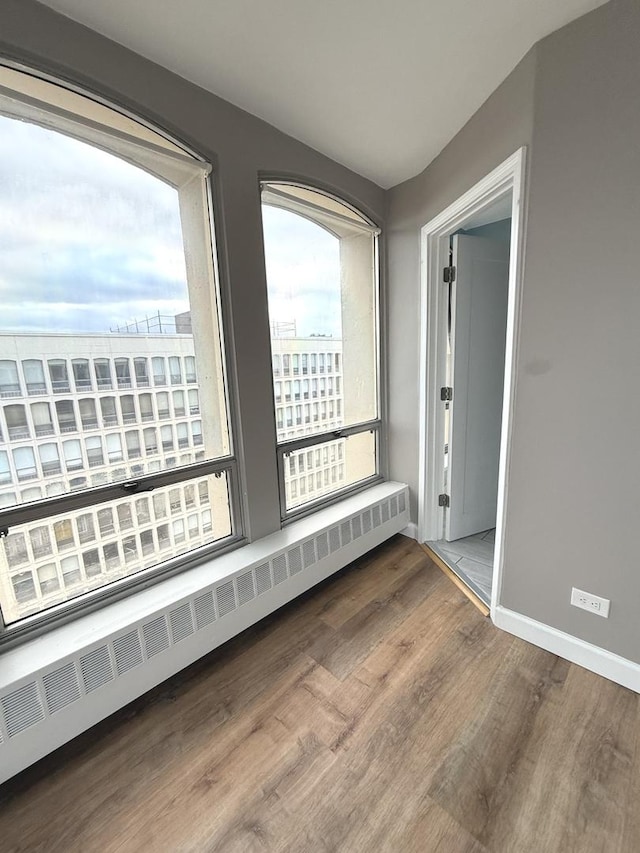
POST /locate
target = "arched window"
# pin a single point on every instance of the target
(118, 263)
(321, 261)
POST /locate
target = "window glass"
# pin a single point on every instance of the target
(88, 414)
(34, 376)
(117, 265)
(81, 374)
(322, 289)
(80, 567)
(59, 376)
(9, 382)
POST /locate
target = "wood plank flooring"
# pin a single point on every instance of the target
(380, 712)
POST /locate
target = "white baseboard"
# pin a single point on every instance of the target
(411, 531)
(598, 660)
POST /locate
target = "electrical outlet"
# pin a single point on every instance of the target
(592, 603)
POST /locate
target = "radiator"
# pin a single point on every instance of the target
(56, 686)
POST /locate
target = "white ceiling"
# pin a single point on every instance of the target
(378, 85)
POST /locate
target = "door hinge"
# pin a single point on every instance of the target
(449, 274)
(446, 394)
(443, 500)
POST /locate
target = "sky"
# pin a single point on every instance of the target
(89, 242)
(303, 273)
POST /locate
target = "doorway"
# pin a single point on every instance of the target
(471, 290)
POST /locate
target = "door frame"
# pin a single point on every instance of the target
(508, 177)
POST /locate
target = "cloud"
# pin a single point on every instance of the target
(87, 241)
(303, 273)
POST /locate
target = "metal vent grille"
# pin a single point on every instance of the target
(356, 526)
(96, 668)
(308, 553)
(22, 708)
(334, 539)
(181, 622)
(226, 598)
(205, 610)
(294, 558)
(156, 636)
(127, 651)
(263, 577)
(322, 546)
(61, 687)
(246, 590)
(52, 691)
(279, 564)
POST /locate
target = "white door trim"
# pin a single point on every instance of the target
(509, 177)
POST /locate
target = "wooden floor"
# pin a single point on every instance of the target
(381, 712)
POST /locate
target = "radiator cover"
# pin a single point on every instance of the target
(56, 686)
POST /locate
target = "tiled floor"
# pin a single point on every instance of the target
(471, 559)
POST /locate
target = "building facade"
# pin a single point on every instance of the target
(86, 410)
(308, 395)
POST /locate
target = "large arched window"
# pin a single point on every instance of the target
(322, 279)
(108, 262)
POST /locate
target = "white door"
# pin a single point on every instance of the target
(478, 337)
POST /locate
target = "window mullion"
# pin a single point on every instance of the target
(321, 438)
(73, 501)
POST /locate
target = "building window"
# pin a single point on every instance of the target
(142, 376)
(111, 554)
(81, 375)
(48, 579)
(88, 414)
(70, 571)
(91, 562)
(59, 376)
(159, 372)
(103, 374)
(86, 531)
(175, 371)
(34, 376)
(105, 522)
(66, 416)
(123, 376)
(124, 300)
(9, 382)
(178, 404)
(23, 587)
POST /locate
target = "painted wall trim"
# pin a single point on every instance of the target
(410, 531)
(508, 177)
(598, 660)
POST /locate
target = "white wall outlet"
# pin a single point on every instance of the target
(592, 603)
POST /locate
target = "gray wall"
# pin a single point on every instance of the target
(578, 405)
(241, 147)
(573, 100)
(574, 483)
(502, 125)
